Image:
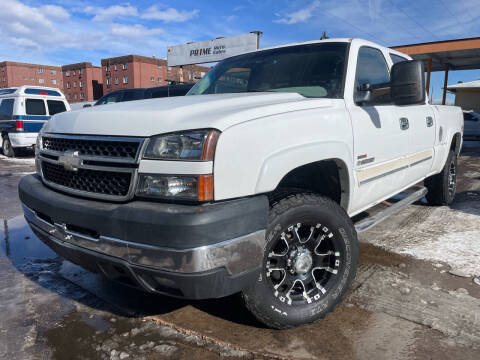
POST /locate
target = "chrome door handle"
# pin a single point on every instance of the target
(429, 121)
(404, 123)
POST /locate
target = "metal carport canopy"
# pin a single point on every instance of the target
(457, 54)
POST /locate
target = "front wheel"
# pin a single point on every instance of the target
(310, 260)
(7, 147)
(442, 187)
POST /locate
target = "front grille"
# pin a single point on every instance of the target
(93, 181)
(103, 148)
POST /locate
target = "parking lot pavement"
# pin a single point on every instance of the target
(414, 296)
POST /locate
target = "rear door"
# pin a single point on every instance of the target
(35, 114)
(6, 115)
(420, 120)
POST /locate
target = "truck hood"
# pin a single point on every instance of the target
(157, 116)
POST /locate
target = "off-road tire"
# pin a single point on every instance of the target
(7, 147)
(442, 186)
(260, 299)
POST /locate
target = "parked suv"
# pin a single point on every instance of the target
(247, 184)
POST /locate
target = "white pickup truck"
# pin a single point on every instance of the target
(247, 184)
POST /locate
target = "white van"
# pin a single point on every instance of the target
(23, 111)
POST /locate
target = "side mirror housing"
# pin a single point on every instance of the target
(408, 83)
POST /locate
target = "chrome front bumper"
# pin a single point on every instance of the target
(236, 255)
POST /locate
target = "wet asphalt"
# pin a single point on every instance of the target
(399, 308)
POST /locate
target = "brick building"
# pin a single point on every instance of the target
(14, 74)
(135, 71)
(82, 82)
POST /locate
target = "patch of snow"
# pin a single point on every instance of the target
(460, 250)
(27, 161)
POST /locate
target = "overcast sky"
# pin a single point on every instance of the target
(61, 32)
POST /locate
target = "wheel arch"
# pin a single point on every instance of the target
(301, 168)
(456, 143)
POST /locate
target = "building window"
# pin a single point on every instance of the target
(116, 80)
(32, 79)
(25, 78)
(125, 79)
(125, 66)
(80, 71)
(107, 67)
(67, 73)
(53, 72)
(75, 96)
(69, 96)
(159, 79)
(159, 66)
(152, 79)
(109, 81)
(68, 84)
(73, 72)
(40, 70)
(54, 82)
(80, 84)
(82, 96)
(115, 67)
(74, 84)
(3, 68)
(41, 81)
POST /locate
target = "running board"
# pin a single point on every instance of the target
(391, 210)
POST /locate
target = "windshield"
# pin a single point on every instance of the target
(313, 70)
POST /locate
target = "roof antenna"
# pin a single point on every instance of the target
(324, 36)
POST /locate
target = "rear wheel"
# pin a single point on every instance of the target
(442, 187)
(7, 147)
(310, 261)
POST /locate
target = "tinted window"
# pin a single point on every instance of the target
(6, 109)
(396, 58)
(55, 107)
(160, 92)
(35, 107)
(110, 98)
(371, 67)
(314, 70)
(132, 95)
(178, 91)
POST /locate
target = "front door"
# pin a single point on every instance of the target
(379, 142)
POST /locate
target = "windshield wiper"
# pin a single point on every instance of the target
(260, 90)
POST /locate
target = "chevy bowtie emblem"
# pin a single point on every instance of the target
(70, 160)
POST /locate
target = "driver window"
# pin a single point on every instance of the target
(371, 67)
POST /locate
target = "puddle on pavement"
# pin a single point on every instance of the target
(20, 244)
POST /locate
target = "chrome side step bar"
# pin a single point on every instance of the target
(391, 210)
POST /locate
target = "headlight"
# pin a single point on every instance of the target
(193, 188)
(191, 145)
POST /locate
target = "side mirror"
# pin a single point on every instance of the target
(408, 83)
